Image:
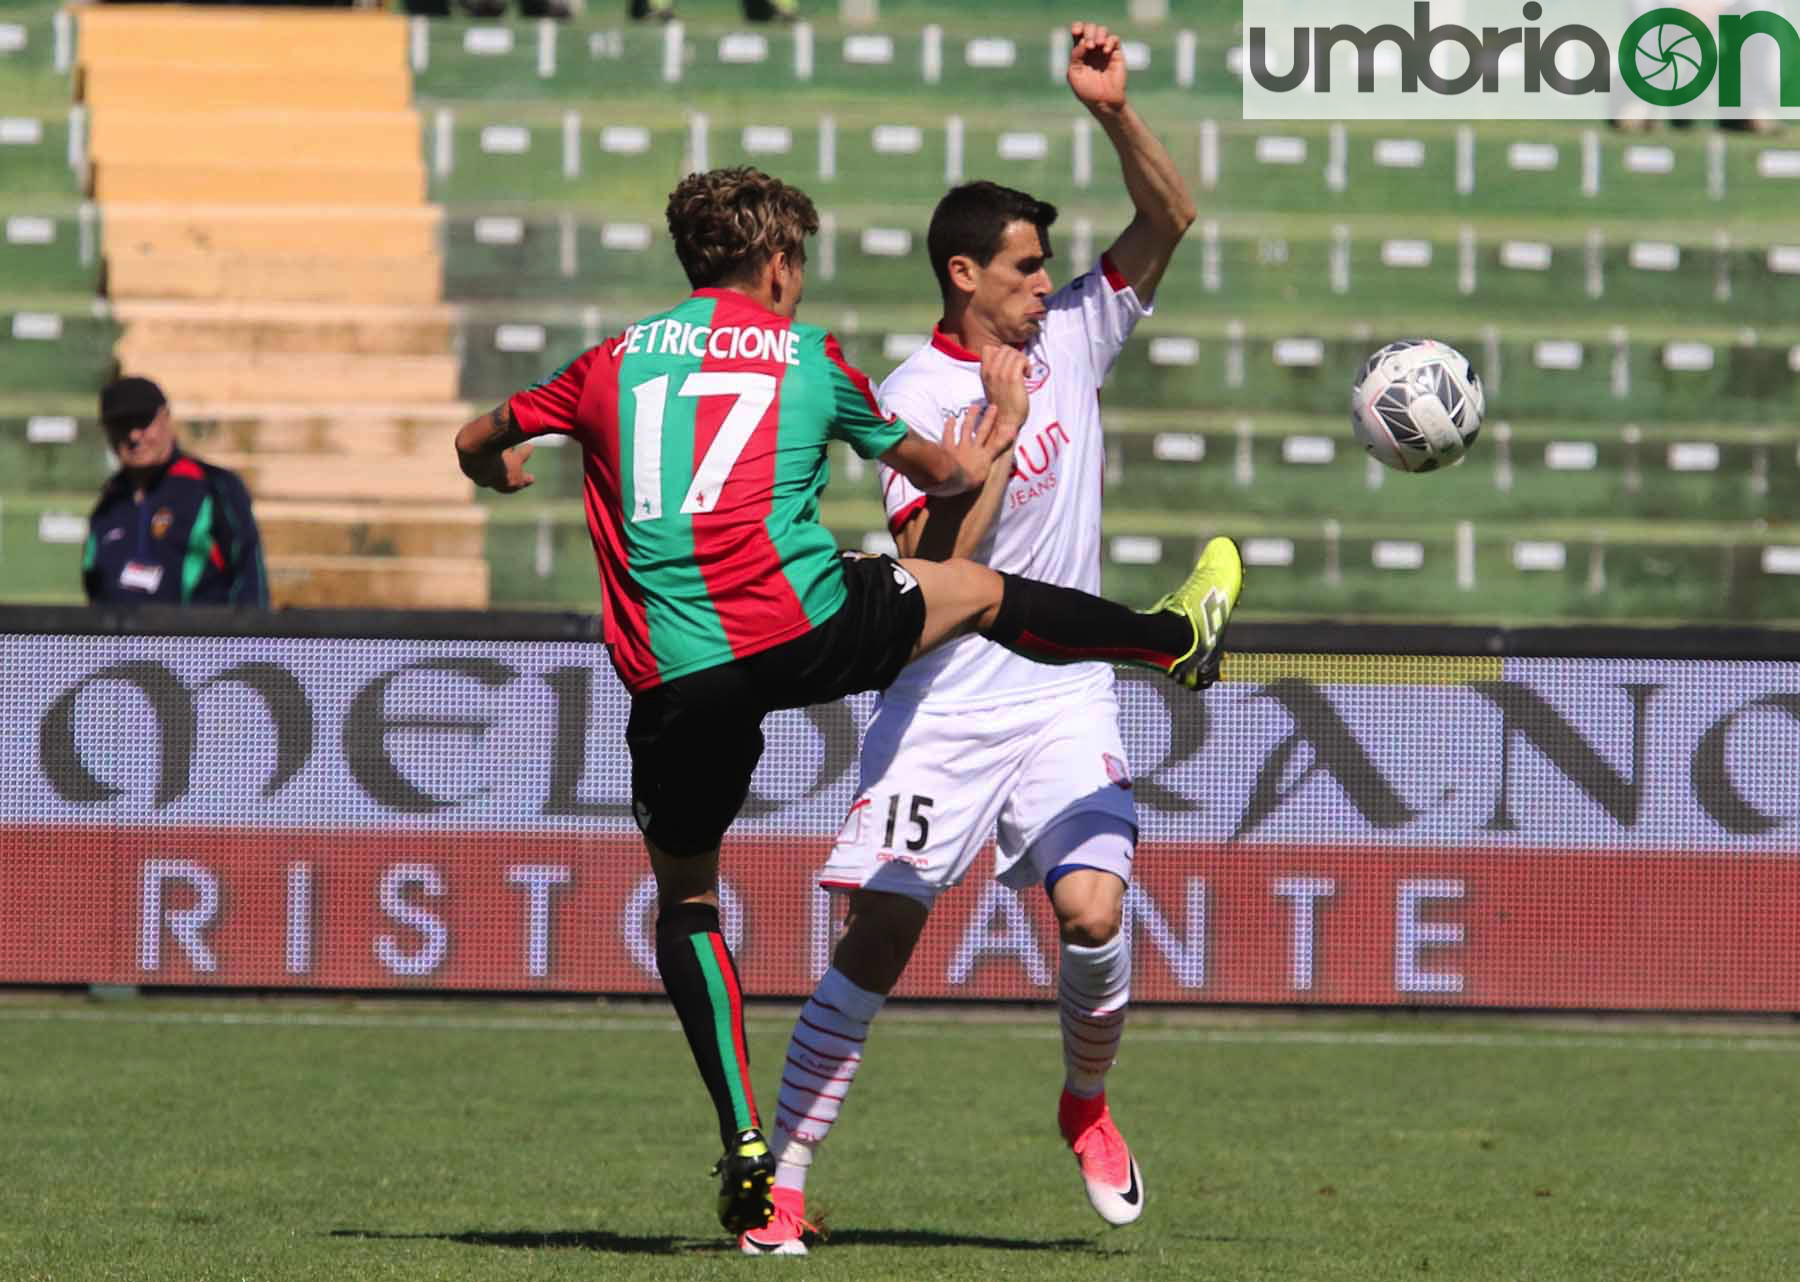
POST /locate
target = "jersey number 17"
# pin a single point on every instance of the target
(751, 395)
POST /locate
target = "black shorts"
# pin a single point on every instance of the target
(695, 740)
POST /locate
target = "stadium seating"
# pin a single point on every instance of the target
(280, 265)
(1628, 299)
(241, 37)
(130, 83)
(283, 253)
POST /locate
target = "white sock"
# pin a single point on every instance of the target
(1092, 996)
(822, 1058)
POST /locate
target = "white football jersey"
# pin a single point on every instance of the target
(1048, 526)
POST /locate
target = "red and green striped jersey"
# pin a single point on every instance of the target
(703, 433)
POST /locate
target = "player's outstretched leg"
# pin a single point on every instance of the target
(1179, 636)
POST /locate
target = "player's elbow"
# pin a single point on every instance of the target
(943, 476)
(1177, 216)
(473, 448)
(468, 439)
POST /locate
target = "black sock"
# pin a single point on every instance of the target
(1065, 625)
(701, 979)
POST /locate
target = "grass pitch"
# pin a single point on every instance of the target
(223, 1139)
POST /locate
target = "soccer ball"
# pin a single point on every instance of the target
(1416, 405)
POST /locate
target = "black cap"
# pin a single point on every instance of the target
(129, 403)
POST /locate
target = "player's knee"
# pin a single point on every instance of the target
(1092, 924)
(979, 591)
(1090, 857)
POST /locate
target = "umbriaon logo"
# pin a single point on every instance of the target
(1669, 59)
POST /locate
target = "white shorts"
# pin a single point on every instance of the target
(935, 786)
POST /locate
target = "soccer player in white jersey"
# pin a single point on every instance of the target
(971, 739)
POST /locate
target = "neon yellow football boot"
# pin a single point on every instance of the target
(1206, 599)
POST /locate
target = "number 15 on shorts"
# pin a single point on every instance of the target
(902, 816)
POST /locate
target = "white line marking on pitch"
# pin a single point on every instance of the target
(924, 1026)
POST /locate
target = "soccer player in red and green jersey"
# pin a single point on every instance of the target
(704, 431)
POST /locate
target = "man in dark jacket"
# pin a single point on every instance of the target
(168, 529)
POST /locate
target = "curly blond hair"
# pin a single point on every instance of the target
(726, 223)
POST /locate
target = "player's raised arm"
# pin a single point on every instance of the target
(1165, 209)
(491, 450)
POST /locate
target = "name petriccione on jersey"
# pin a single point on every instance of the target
(703, 433)
(1048, 525)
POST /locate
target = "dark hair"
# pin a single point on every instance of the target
(971, 220)
(726, 223)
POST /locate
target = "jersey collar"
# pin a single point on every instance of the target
(955, 350)
(725, 294)
(950, 347)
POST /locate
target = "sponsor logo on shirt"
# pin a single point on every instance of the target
(896, 857)
(1034, 463)
(1116, 770)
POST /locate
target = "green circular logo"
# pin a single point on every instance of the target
(1668, 57)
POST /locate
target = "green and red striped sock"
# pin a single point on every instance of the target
(701, 979)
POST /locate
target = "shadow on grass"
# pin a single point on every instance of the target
(923, 1237)
(597, 1240)
(605, 1243)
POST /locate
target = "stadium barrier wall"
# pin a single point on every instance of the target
(1601, 819)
